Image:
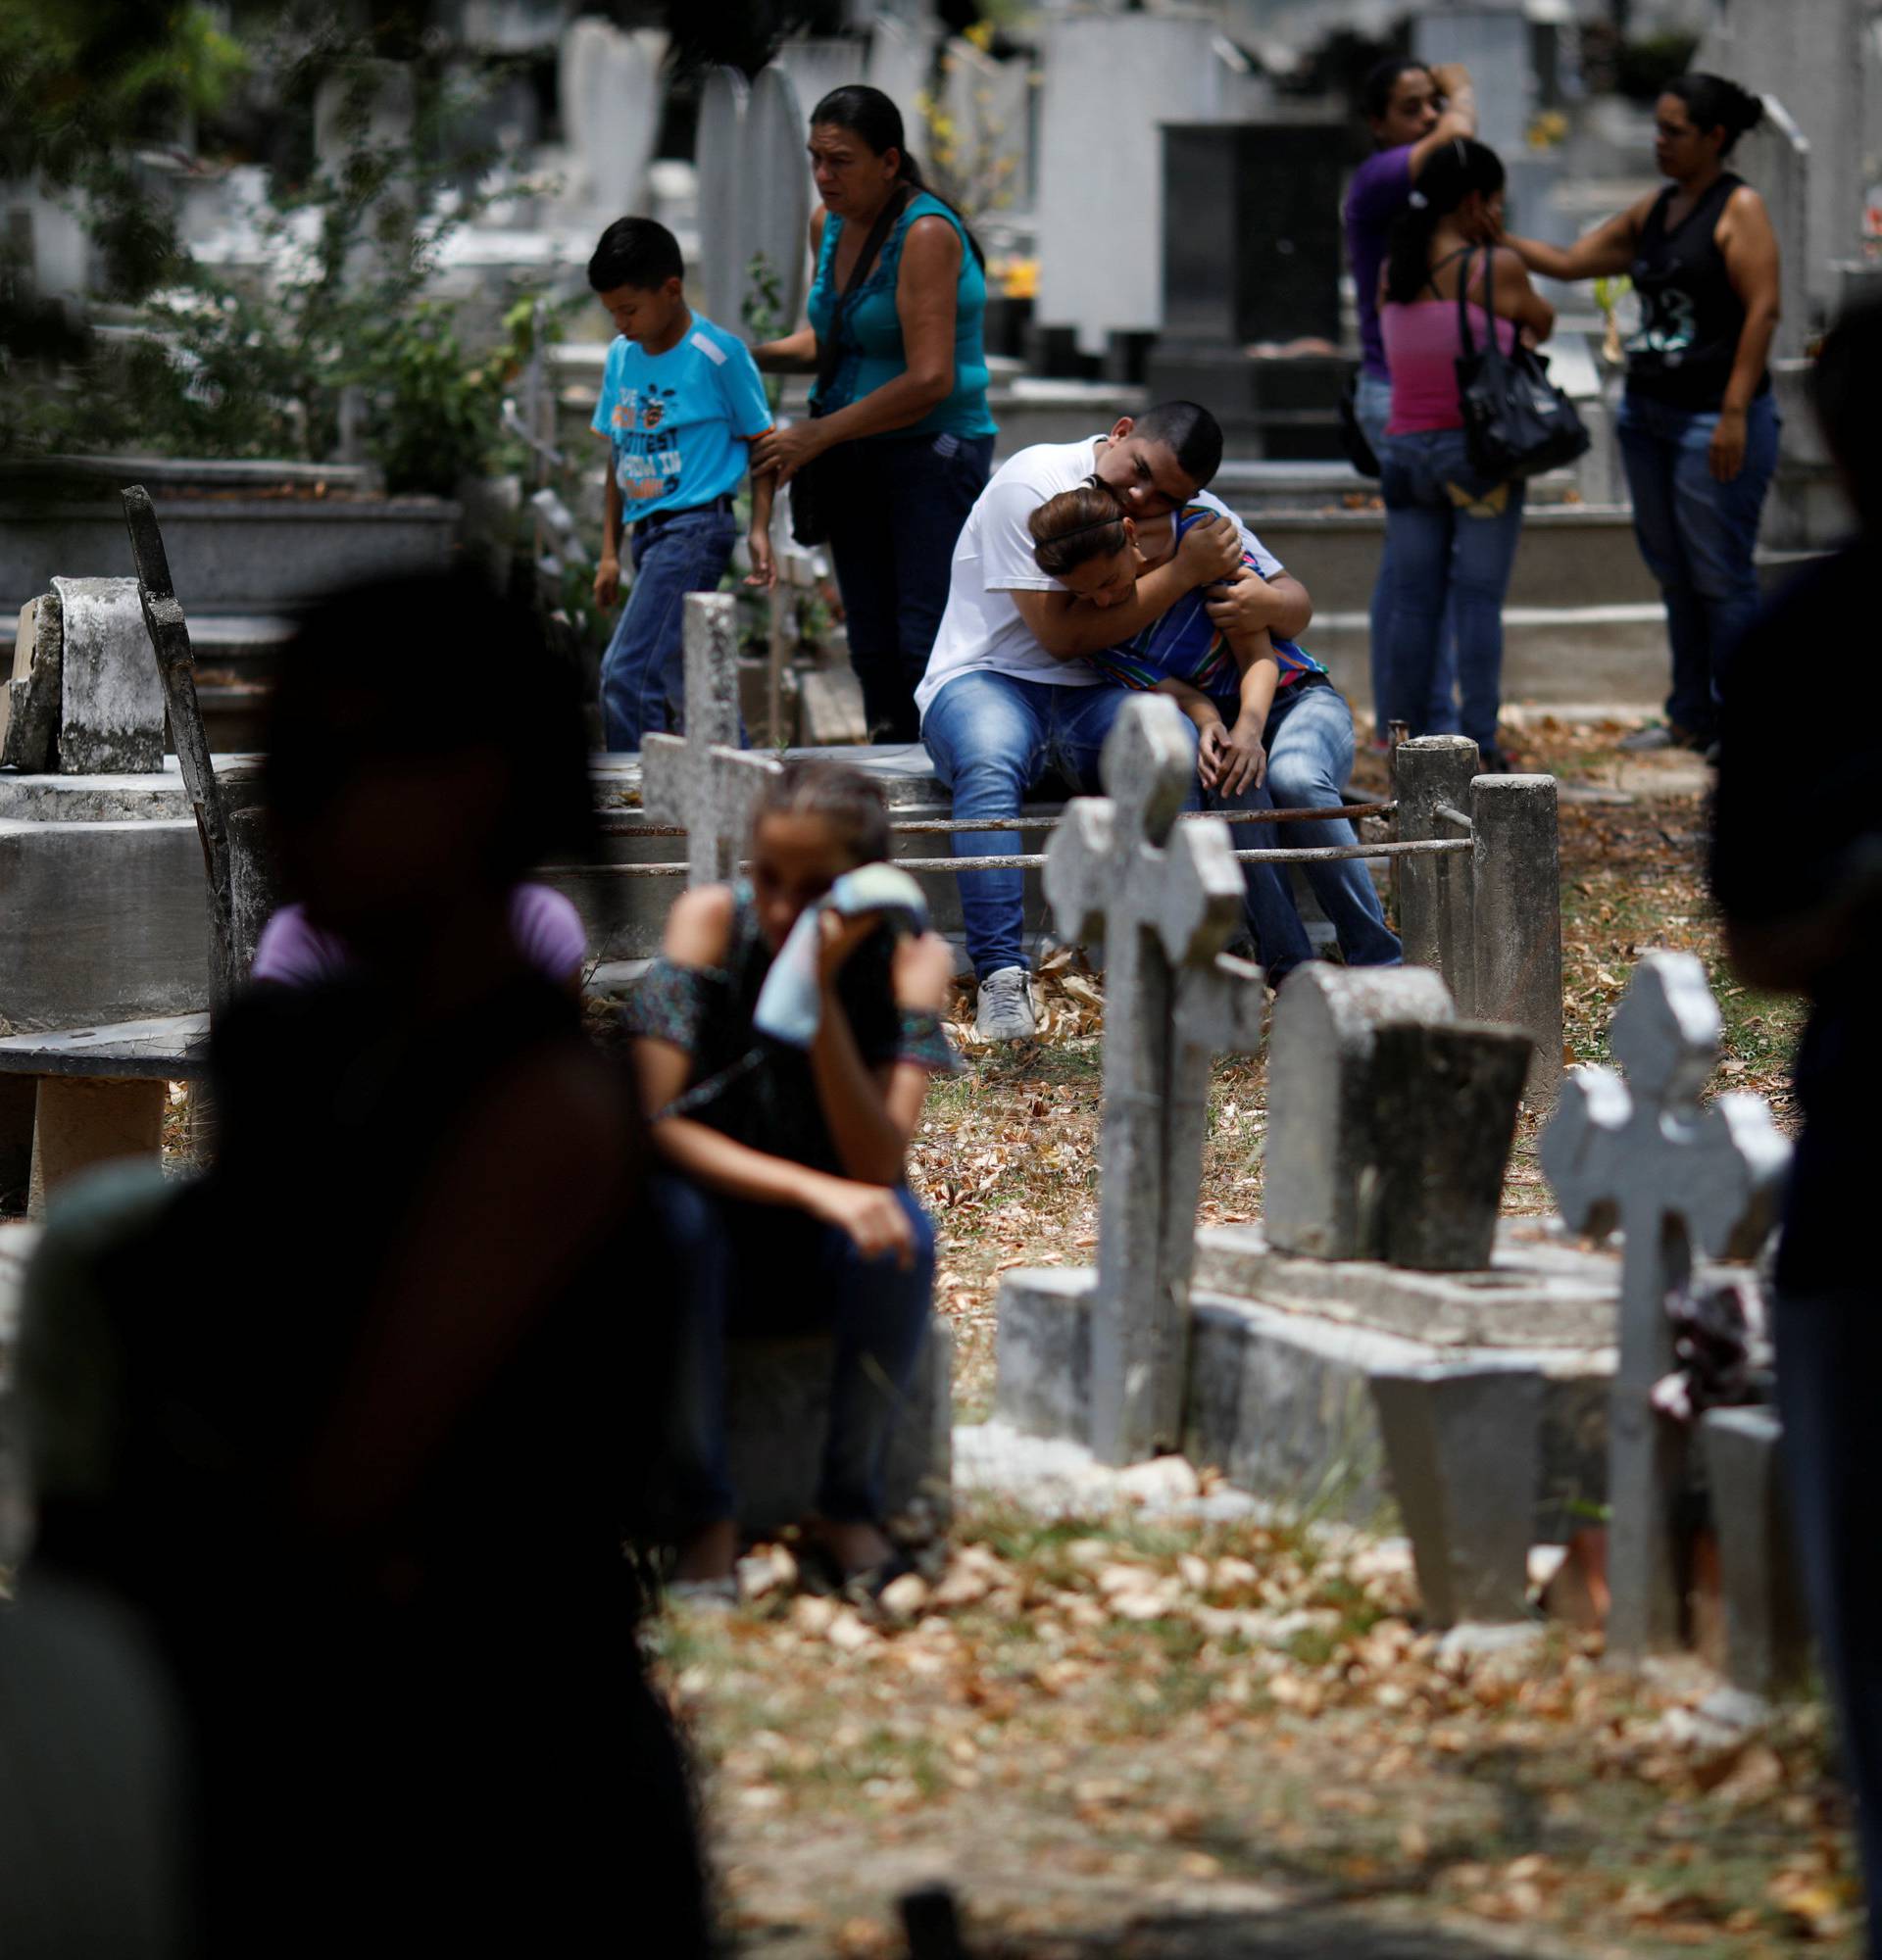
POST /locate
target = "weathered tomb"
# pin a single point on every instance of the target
(84, 695)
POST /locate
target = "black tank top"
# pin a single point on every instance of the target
(1689, 318)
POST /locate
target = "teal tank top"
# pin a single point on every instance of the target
(869, 331)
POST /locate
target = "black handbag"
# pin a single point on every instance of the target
(1517, 422)
(810, 487)
(1354, 441)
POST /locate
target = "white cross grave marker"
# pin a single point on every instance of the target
(703, 778)
(1642, 1155)
(1165, 897)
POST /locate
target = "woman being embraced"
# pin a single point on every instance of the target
(784, 1202)
(899, 428)
(1453, 533)
(1271, 729)
(1698, 427)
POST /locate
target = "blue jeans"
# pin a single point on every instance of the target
(897, 505)
(643, 672)
(1452, 537)
(1308, 740)
(1829, 1347)
(993, 737)
(1372, 402)
(1698, 536)
(767, 1270)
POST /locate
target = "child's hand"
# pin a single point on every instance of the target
(1208, 756)
(1243, 762)
(607, 582)
(764, 573)
(1211, 550)
(921, 968)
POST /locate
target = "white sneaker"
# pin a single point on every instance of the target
(1006, 1012)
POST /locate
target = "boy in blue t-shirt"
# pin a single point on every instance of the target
(680, 403)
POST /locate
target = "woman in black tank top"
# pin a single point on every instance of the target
(1698, 427)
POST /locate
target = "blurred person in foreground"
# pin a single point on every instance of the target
(1802, 905)
(354, 1422)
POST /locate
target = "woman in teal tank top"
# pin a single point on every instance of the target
(902, 427)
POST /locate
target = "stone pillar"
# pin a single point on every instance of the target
(1766, 1639)
(82, 1120)
(1436, 894)
(1462, 1443)
(254, 886)
(1516, 874)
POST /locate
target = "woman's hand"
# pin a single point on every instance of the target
(920, 971)
(607, 582)
(1242, 761)
(1726, 455)
(1210, 550)
(787, 448)
(870, 1214)
(839, 936)
(764, 571)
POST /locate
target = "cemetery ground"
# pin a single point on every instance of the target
(1153, 1733)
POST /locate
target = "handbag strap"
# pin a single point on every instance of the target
(1492, 347)
(830, 357)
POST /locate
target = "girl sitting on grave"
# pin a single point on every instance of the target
(1272, 727)
(783, 1042)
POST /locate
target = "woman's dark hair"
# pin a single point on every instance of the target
(425, 666)
(869, 114)
(1713, 103)
(635, 251)
(1076, 527)
(1381, 79)
(1451, 173)
(1846, 390)
(844, 798)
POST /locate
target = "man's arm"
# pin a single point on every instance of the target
(1069, 627)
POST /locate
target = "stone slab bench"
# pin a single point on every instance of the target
(94, 1092)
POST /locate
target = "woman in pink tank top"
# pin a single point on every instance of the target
(1451, 533)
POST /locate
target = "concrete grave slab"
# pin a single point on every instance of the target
(1767, 1646)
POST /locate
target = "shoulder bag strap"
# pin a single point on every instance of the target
(830, 355)
(1466, 345)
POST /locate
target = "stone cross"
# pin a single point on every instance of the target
(1165, 897)
(703, 779)
(1642, 1155)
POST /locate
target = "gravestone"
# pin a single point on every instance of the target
(30, 710)
(901, 65)
(703, 779)
(720, 149)
(988, 105)
(1777, 159)
(1767, 1648)
(1318, 1191)
(610, 87)
(110, 700)
(1100, 203)
(778, 196)
(1493, 43)
(1642, 1154)
(1165, 898)
(816, 67)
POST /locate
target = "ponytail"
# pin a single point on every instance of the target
(871, 116)
(1453, 171)
(1713, 103)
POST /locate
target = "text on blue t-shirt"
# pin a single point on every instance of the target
(679, 423)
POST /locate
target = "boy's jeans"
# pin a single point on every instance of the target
(1698, 536)
(992, 737)
(1454, 540)
(771, 1269)
(643, 672)
(1372, 403)
(1309, 756)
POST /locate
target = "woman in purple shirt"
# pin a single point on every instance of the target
(1413, 111)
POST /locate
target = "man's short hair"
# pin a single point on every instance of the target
(1190, 432)
(635, 251)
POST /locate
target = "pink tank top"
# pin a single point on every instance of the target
(1421, 347)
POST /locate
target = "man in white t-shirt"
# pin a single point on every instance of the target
(1009, 698)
